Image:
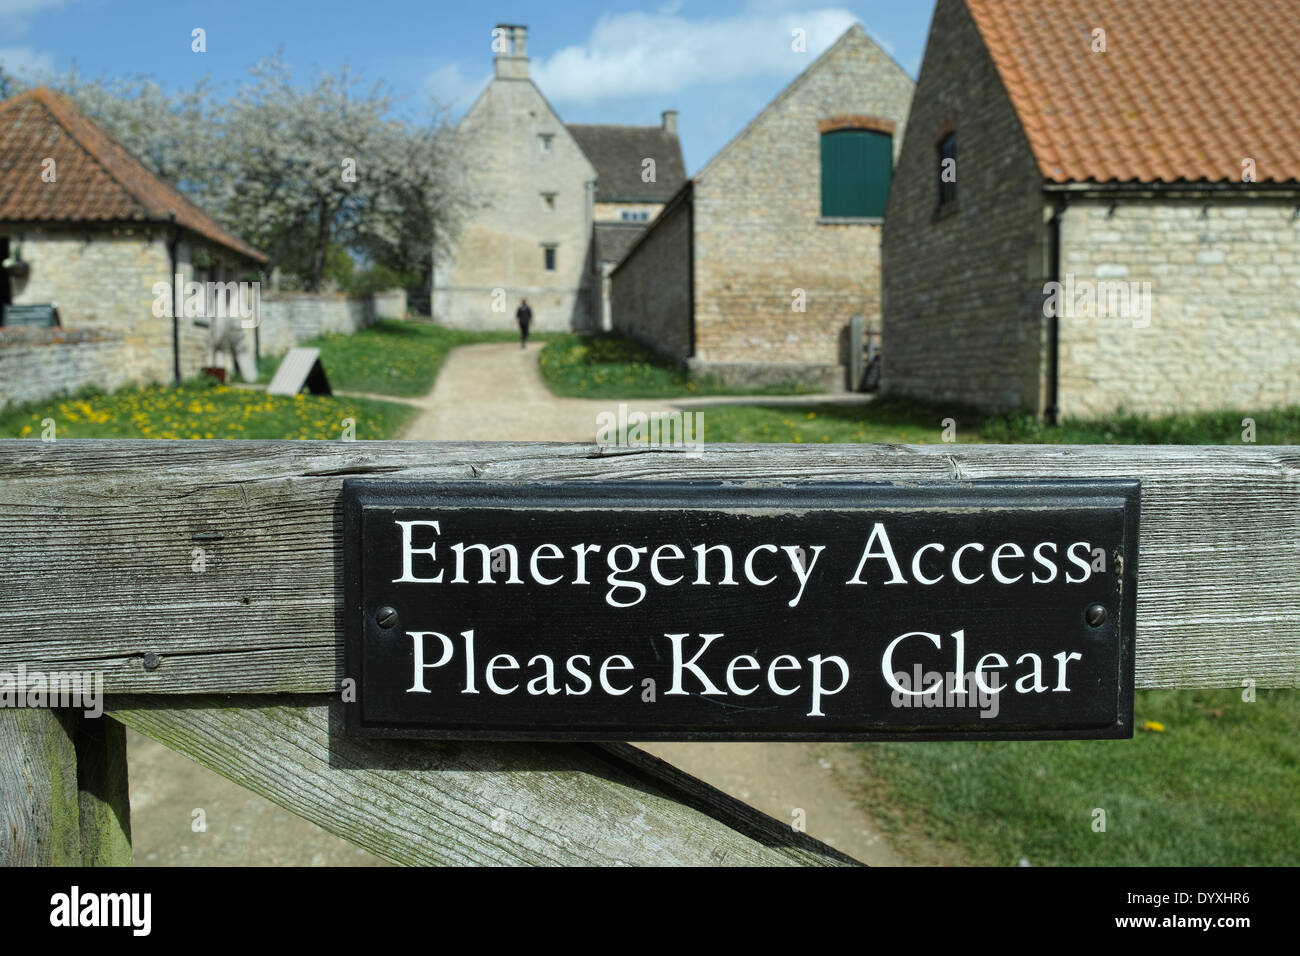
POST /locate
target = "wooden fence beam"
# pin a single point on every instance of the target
(215, 567)
(431, 803)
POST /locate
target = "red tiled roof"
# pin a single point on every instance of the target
(98, 180)
(1185, 91)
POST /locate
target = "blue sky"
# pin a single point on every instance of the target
(717, 63)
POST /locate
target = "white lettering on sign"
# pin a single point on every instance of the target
(719, 565)
(708, 665)
(1005, 562)
(740, 609)
(985, 668)
(698, 669)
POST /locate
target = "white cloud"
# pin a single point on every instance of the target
(12, 8)
(14, 14)
(452, 87)
(26, 62)
(635, 54)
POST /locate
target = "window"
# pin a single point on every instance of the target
(544, 141)
(856, 169)
(548, 199)
(947, 170)
(548, 258)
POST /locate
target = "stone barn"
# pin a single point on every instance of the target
(1119, 226)
(754, 269)
(87, 230)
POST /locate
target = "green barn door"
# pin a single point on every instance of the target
(856, 168)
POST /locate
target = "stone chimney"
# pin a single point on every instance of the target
(670, 122)
(510, 41)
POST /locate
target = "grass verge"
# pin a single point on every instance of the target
(610, 366)
(204, 409)
(391, 357)
(897, 420)
(1215, 788)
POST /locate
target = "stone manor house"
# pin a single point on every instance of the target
(555, 205)
(1123, 229)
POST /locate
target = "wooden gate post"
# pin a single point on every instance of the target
(63, 789)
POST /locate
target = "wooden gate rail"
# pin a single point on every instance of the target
(182, 570)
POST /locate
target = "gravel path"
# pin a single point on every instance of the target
(494, 392)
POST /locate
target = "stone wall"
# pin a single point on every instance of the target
(390, 304)
(775, 285)
(1223, 325)
(106, 283)
(105, 292)
(650, 290)
(501, 244)
(292, 317)
(36, 364)
(962, 308)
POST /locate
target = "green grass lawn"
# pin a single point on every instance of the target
(391, 357)
(204, 409)
(1218, 786)
(610, 366)
(894, 420)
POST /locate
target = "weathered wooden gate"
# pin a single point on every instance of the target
(238, 665)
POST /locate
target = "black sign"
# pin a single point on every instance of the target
(715, 611)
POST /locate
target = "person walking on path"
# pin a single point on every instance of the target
(524, 316)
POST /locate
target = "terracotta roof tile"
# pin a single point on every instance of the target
(98, 180)
(1185, 91)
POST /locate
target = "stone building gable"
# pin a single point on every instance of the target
(854, 44)
(526, 195)
(962, 316)
(488, 129)
(761, 242)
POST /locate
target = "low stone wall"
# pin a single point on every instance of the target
(825, 377)
(37, 364)
(292, 317)
(390, 304)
